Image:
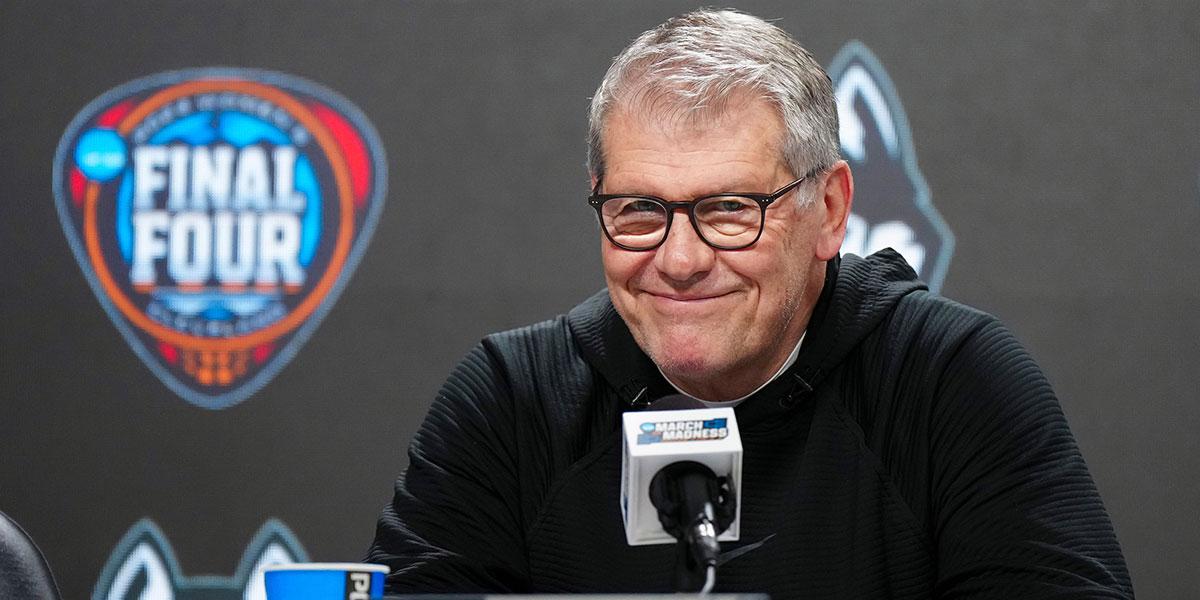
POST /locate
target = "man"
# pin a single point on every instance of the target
(897, 445)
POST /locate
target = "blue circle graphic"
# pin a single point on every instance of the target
(100, 154)
(647, 427)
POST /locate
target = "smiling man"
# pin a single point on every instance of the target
(718, 305)
(896, 444)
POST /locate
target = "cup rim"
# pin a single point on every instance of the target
(329, 567)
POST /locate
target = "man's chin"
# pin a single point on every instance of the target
(692, 352)
(685, 365)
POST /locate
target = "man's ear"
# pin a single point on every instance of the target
(835, 197)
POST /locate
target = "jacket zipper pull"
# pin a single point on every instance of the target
(801, 388)
(638, 398)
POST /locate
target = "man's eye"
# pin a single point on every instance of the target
(731, 206)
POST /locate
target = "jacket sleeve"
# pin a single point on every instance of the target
(1015, 511)
(454, 523)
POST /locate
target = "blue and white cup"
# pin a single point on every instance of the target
(324, 581)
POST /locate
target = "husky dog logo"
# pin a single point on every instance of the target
(892, 206)
(217, 215)
(143, 567)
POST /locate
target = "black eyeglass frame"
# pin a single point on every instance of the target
(764, 201)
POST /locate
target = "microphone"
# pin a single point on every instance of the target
(681, 483)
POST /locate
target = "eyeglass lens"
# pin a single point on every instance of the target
(725, 221)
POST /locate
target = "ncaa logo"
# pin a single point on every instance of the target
(892, 206)
(217, 215)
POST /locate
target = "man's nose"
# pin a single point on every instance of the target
(683, 256)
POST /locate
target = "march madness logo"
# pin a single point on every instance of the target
(683, 431)
(892, 205)
(217, 215)
(143, 566)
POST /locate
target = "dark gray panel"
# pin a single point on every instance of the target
(1060, 142)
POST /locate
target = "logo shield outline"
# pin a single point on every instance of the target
(299, 334)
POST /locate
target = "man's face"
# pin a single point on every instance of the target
(717, 322)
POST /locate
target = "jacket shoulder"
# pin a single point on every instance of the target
(900, 367)
(538, 359)
(923, 313)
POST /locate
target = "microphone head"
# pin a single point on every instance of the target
(680, 490)
(676, 402)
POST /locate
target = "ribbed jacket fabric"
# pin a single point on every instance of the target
(914, 450)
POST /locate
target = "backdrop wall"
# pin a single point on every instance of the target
(1059, 143)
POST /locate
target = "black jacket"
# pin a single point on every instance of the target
(914, 450)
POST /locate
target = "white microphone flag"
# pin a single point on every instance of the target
(655, 439)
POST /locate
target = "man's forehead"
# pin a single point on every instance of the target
(671, 112)
(735, 150)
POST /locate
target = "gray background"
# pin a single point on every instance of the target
(1060, 141)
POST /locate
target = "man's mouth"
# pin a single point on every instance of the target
(688, 297)
(675, 299)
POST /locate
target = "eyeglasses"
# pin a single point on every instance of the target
(726, 221)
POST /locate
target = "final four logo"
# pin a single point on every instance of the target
(217, 215)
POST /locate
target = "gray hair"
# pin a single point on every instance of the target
(691, 65)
